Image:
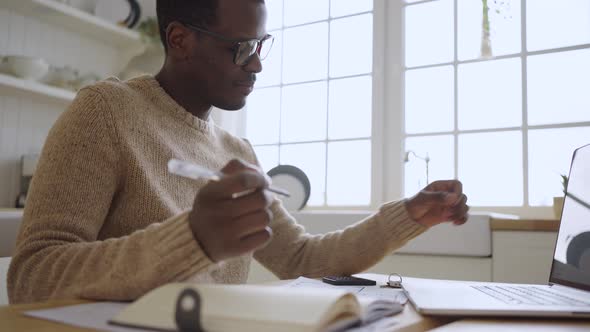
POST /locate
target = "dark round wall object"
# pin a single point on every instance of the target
(295, 181)
(579, 244)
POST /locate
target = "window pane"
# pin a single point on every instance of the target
(311, 159)
(429, 33)
(305, 11)
(490, 94)
(348, 7)
(271, 66)
(350, 108)
(430, 100)
(268, 156)
(440, 150)
(305, 53)
(303, 116)
(490, 167)
(504, 22)
(558, 87)
(349, 183)
(262, 119)
(553, 24)
(550, 154)
(351, 45)
(274, 19)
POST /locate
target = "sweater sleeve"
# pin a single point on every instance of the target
(292, 252)
(58, 254)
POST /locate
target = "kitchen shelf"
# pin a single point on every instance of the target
(59, 14)
(17, 86)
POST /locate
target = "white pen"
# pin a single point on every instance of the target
(195, 172)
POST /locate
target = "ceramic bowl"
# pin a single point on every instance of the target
(62, 77)
(25, 67)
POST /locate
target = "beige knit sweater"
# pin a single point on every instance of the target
(105, 221)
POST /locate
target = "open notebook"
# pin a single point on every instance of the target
(257, 308)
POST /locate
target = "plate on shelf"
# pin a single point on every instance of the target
(293, 180)
(86, 6)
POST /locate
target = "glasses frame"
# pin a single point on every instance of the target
(237, 43)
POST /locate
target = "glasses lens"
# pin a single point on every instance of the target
(245, 51)
(248, 48)
(265, 47)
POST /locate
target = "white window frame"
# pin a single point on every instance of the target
(237, 123)
(387, 110)
(388, 132)
(395, 53)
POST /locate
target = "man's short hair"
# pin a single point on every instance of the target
(197, 12)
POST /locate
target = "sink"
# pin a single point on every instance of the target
(474, 238)
(10, 221)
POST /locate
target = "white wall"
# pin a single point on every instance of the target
(24, 123)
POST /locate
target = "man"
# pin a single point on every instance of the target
(105, 221)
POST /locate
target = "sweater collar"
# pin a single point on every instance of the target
(157, 94)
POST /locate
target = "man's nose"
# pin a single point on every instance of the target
(254, 64)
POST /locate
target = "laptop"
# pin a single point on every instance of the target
(568, 291)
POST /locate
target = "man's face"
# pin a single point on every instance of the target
(211, 68)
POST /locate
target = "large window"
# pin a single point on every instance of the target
(498, 102)
(312, 107)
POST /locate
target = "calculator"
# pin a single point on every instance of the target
(348, 281)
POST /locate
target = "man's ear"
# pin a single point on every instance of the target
(178, 40)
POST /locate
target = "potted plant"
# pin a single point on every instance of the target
(491, 7)
(558, 200)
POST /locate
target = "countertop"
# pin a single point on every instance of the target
(524, 225)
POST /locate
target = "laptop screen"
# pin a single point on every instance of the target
(571, 260)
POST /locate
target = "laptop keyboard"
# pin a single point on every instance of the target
(529, 295)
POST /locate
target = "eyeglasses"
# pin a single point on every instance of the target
(243, 49)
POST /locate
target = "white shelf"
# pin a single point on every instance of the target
(59, 14)
(16, 86)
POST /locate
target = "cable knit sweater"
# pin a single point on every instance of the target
(105, 221)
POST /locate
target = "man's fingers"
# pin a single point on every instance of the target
(252, 223)
(244, 205)
(236, 165)
(254, 241)
(436, 198)
(461, 221)
(452, 186)
(459, 212)
(462, 200)
(234, 183)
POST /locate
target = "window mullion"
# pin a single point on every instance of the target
(525, 129)
(327, 105)
(456, 88)
(393, 116)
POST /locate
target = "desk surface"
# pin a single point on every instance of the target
(409, 320)
(515, 325)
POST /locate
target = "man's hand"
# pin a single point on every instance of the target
(440, 201)
(226, 227)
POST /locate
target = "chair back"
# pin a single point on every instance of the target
(4, 263)
(10, 221)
